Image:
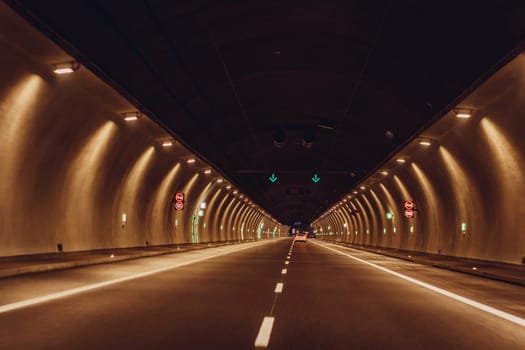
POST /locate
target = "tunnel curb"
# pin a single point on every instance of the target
(465, 270)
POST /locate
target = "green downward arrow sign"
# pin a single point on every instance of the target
(316, 178)
(273, 178)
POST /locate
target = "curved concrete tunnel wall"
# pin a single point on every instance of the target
(468, 186)
(71, 167)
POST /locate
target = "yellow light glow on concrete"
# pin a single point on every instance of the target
(229, 213)
(382, 211)
(363, 217)
(82, 182)
(466, 197)
(503, 162)
(433, 208)
(19, 111)
(133, 183)
(405, 194)
(220, 212)
(159, 208)
(507, 156)
(371, 211)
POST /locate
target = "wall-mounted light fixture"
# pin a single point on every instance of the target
(229, 187)
(65, 67)
(401, 160)
(168, 143)
(220, 181)
(463, 113)
(131, 116)
(425, 142)
(207, 171)
(190, 161)
(384, 172)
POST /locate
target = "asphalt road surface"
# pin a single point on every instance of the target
(325, 297)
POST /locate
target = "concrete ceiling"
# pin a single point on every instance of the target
(288, 87)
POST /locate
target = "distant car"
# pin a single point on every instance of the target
(300, 237)
(311, 235)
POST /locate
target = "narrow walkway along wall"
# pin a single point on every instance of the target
(74, 172)
(465, 176)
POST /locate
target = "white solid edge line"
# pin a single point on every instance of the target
(493, 311)
(263, 337)
(279, 287)
(69, 292)
(284, 271)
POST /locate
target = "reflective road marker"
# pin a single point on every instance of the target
(279, 287)
(284, 271)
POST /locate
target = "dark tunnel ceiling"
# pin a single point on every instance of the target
(229, 77)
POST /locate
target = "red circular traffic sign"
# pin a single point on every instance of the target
(409, 205)
(179, 196)
(409, 213)
(179, 205)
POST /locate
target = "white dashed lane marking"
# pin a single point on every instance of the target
(263, 337)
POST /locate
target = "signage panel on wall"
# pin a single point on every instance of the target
(179, 201)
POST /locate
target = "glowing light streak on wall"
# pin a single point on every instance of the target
(160, 208)
(226, 218)
(213, 231)
(363, 215)
(358, 220)
(338, 222)
(382, 211)
(201, 221)
(508, 173)
(186, 223)
(373, 222)
(392, 205)
(405, 193)
(240, 218)
(82, 185)
(17, 113)
(234, 230)
(464, 194)
(219, 213)
(255, 221)
(348, 219)
(431, 209)
(371, 225)
(128, 194)
(242, 214)
(244, 218)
